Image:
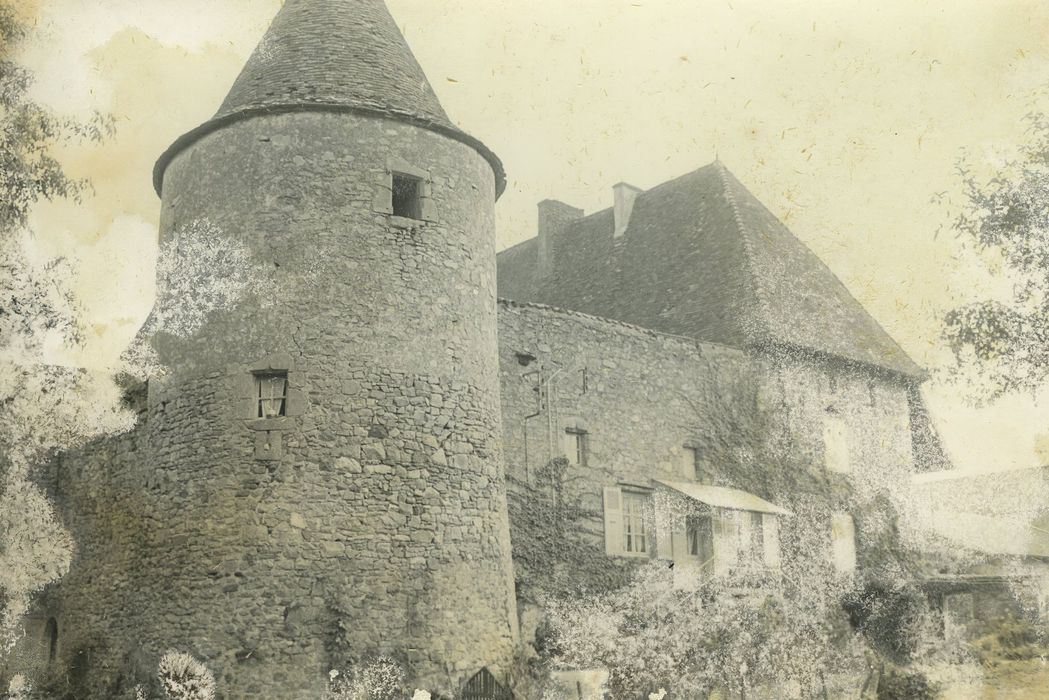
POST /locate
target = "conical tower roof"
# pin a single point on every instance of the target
(333, 55)
(337, 52)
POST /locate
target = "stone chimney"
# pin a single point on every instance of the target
(623, 197)
(554, 218)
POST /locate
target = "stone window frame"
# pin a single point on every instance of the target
(383, 200)
(407, 190)
(268, 432)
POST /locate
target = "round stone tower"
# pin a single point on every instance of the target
(322, 469)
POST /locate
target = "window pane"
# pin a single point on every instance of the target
(271, 390)
(575, 446)
(634, 535)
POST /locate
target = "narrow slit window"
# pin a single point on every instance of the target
(271, 392)
(407, 196)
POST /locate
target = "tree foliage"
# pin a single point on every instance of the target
(37, 307)
(28, 133)
(1004, 343)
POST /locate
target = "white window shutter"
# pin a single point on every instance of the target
(726, 534)
(664, 528)
(843, 541)
(745, 542)
(770, 537)
(679, 540)
(650, 533)
(836, 445)
(613, 520)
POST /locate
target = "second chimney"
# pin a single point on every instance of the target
(554, 218)
(623, 206)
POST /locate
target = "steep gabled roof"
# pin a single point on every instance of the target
(703, 258)
(334, 55)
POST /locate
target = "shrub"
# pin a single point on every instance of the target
(1010, 640)
(903, 684)
(381, 679)
(19, 688)
(184, 678)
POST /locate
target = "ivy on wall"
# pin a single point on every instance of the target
(556, 551)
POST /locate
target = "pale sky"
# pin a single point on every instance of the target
(845, 118)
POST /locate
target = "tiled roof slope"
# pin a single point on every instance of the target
(342, 52)
(334, 55)
(703, 258)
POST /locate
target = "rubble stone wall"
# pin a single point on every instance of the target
(371, 519)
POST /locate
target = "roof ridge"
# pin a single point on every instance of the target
(748, 253)
(759, 291)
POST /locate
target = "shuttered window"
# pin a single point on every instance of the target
(635, 539)
(836, 444)
(843, 542)
(627, 530)
(726, 541)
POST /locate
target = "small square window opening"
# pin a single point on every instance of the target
(407, 196)
(271, 394)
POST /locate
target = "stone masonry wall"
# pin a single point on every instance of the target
(799, 393)
(645, 397)
(369, 520)
(756, 419)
